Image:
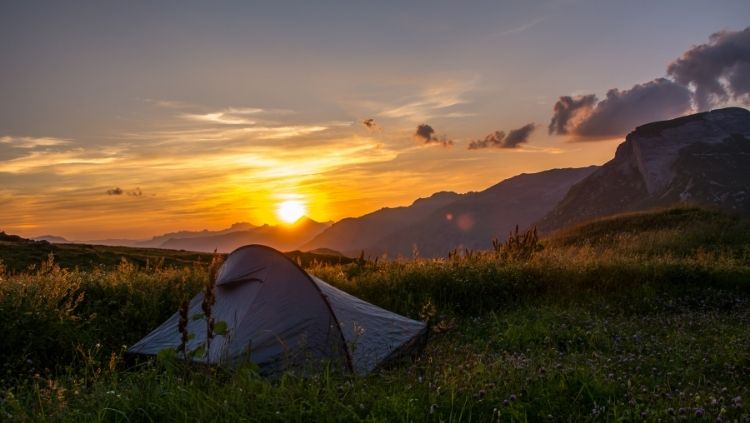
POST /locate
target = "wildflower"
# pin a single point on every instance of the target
(699, 412)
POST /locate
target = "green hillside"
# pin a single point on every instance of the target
(18, 255)
(682, 231)
(632, 318)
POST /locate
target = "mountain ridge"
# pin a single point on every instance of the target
(434, 225)
(700, 159)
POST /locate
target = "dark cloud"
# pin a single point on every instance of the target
(567, 111)
(519, 136)
(494, 139)
(119, 191)
(718, 70)
(426, 134)
(498, 139)
(621, 111)
(370, 123)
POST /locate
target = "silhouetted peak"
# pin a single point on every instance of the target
(655, 129)
(438, 196)
(242, 225)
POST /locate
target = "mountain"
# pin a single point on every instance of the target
(473, 220)
(282, 238)
(353, 234)
(444, 221)
(698, 159)
(53, 239)
(159, 240)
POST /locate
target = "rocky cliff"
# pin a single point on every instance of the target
(699, 159)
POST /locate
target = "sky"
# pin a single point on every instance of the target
(131, 119)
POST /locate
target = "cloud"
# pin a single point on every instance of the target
(621, 111)
(168, 104)
(519, 136)
(77, 160)
(718, 71)
(494, 139)
(442, 99)
(426, 134)
(229, 116)
(498, 139)
(567, 112)
(370, 123)
(119, 191)
(32, 142)
(521, 28)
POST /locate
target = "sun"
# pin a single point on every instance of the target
(290, 211)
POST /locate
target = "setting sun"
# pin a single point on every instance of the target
(290, 211)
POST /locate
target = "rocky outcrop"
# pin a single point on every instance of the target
(700, 159)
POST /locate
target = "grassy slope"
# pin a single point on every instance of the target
(678, 231)
(21, 256)
(27, 255)
(642, 316)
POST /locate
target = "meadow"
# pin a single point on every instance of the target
(638, 317)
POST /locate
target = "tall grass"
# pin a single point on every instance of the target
(621, 324)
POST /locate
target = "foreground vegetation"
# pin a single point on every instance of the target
(641, 317)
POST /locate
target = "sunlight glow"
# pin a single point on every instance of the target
(290, 211)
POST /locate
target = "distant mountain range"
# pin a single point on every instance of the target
(433, 226)
(354, 234)
(281, 237)
(159, 241)
(701, 159)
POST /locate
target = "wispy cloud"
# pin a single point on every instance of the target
(521, 28)
(169, 104)
(229, 116)
(72, 161)
(438, 100)
(33, 142)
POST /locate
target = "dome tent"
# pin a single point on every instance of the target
(280, 317)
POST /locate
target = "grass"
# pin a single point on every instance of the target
(24, 255)
(640, 317)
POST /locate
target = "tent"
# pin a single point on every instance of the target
(280, 317)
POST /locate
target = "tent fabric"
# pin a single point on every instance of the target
(279, 317)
